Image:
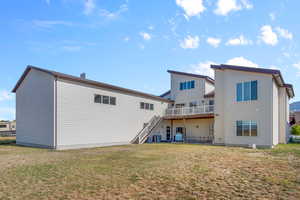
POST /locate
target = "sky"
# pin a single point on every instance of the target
(132, 43)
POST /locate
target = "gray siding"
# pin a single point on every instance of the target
(186, 96)
(81, 122)
(35, 110)
(228, 110)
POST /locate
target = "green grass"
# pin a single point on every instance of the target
(150, 171)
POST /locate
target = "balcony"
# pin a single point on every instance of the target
(190, 112)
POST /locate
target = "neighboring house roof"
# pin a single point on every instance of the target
(166, 93)
(88, 82)
(207, 78)
(276, 74)
(210, 94)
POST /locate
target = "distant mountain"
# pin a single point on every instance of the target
(295, 106)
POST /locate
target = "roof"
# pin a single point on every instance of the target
(88, 82)
(166, 93)
(207, 78)
(274, 72)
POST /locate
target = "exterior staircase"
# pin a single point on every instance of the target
(142, 136)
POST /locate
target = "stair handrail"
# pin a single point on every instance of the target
(144, 134)
(144, 128)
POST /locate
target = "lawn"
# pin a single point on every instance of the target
(150, 171)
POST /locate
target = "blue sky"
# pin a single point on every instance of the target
(132, 43)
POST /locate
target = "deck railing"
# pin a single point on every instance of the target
(204, 109)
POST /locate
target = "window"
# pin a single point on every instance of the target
(181, 86)
(112, 100)
(97, 98)
(239, 92)
(151, 107)
(246, 91)
(192, 84)
(253, 128)
(105, 99)
(187, 85)
(253, 90)
(146, 106)
(246, 128)
(239, 128)
(2, 126)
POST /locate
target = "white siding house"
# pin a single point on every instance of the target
(242, 106)
(59, 111)
(267, 112)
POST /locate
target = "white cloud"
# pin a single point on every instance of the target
(274, 67)
(50, 23)
(113, 15)
(241, 61)
(5, 95)
(284, 33)
(213, 41)
(268, 36)
(272, 16)
(191, 7)
(145, 36)
(89, 6)
(190, 42)
(224, 7)
(241, 40)
(126, 39)
(203, 68)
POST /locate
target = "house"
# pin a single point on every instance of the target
(242, 106)
(7, 128)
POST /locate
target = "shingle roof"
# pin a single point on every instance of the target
(88, 82)
(276, 74)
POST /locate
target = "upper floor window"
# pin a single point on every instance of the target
(246, 91)
(105, 99)
(146, 106)
(187, 85)
(2, 126)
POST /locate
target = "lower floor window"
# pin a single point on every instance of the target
(246, 128)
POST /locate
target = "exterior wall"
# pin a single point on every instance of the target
(228, 110)
(186, 96)
(83, 123)
(209, 87)
(35, 110)
(283, 115)
(194, 127)
(275, 114)
(219, 134)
